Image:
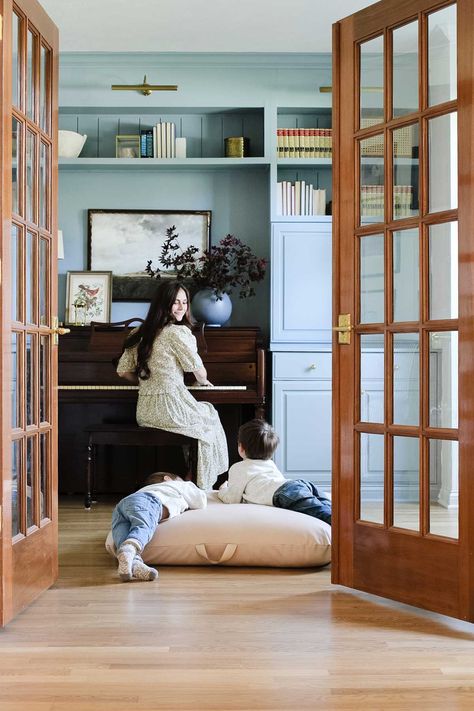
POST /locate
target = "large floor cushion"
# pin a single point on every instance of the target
(239, 534)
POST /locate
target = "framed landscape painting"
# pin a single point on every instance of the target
(123, 241)
(88, 297)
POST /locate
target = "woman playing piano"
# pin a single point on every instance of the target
(158, 354)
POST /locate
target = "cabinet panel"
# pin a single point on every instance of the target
(305, 365)
(301, 283)
(302, 418)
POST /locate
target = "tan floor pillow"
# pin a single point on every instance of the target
(239, 534)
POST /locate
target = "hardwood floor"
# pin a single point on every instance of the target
(221, 639)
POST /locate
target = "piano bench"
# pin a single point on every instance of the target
(135, 436)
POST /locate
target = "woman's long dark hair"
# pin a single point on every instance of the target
(158, 316)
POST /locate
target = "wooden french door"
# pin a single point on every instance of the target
(28, 158)
(404, 295)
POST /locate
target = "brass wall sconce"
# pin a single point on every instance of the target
(145, 88)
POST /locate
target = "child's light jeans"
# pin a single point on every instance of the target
(137, 517)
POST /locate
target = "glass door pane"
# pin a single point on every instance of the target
(406, 379)
(372, 378)
(443, 163)
(405, 172)
(372, 478)
(372, 176)
(405, 266)
(405, 81)
(442, 56)
(372, 270)
(444, 488)
(371, 82)
(406, 483)
(444, 379)
(443, 270)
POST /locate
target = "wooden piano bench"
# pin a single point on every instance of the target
(135, 436)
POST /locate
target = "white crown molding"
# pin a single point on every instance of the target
(147, 60)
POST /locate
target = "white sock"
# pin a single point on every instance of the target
(125, 555)
(142, 571)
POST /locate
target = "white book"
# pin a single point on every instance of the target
(292, 200)
(297, 198)
(180, 146)
(173, 140)
(322, 202)
(158, 140)
(279, 199)
(288, 197)
(163, 139)
(303, 198)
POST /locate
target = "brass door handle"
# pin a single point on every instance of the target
(343, 328)
(57, 331)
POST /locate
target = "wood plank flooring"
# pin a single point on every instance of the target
(222, 639)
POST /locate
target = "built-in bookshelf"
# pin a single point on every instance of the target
(205, 130)
(309, 165)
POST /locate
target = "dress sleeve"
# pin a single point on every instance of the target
(184, 346)
(128, 361)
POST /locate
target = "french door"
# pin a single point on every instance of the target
(403, 303)
(28, 207)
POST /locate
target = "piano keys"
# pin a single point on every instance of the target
(136, 387)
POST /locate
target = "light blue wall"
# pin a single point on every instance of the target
(239, 200)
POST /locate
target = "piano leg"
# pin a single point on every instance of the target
(89, 467)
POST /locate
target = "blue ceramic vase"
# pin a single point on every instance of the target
(209, 309)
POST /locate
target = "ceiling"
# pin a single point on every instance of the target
(198, 25)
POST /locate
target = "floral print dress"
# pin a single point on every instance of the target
(165, 403)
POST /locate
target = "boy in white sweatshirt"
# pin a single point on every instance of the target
(135, 518)
(257, 480)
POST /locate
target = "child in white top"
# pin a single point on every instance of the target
(135, 518)
(257, 480)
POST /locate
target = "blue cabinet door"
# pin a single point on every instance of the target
(301, 267)
(302, 418)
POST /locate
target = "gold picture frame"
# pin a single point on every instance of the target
(127, 146)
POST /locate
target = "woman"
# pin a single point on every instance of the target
(158, 353)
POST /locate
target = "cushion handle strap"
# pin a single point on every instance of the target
(227, 553)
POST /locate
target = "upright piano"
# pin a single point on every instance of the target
(90, 392)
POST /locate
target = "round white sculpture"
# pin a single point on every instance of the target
(70, 144)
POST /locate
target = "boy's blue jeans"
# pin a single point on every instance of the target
(303, 496)
(137, 517)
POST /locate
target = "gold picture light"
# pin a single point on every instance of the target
(145, 88)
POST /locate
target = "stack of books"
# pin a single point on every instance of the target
(372, 200)
(159, 141)
(300, 198)
(304, 143)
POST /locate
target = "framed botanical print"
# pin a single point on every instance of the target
(88, 297)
